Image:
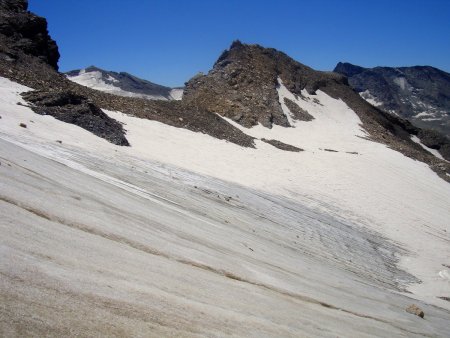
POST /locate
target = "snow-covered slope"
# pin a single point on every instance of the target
(123, 84)
(182, 234)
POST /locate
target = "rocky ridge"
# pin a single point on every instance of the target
(243, 84)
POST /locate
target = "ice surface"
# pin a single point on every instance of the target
(184, 234)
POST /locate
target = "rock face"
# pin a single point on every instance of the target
(26, 32)
(243, 84)
(420, 94)
(75, 109)
(122, 84)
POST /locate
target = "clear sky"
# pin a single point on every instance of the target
(169, 41)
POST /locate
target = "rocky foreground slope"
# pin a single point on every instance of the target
(420, 94)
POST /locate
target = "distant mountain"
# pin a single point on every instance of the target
(420, 94)
(122, 84)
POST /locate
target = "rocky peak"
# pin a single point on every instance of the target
(243, 84)
(22, 31)
(348, 69)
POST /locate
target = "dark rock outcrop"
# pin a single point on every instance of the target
(282, 146)
(26, 32)
(297, 112)
(420, 94)
(78, 110)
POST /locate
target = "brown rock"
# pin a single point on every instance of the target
(415, 310)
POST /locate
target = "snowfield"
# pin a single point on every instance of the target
(185, 235)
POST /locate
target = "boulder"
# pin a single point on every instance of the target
(415, 310)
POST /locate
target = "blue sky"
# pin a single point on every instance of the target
(168, 42)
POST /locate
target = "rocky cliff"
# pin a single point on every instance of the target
(23, 31)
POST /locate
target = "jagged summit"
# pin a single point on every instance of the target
(348, 69)
(243, 84)
(123, 84)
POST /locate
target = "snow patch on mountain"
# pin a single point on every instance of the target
(424, 114)
(366, 95)
(402, 83)
(177, 93)
(95, 80)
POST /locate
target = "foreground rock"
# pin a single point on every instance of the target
(75, 109)
(415, 310)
